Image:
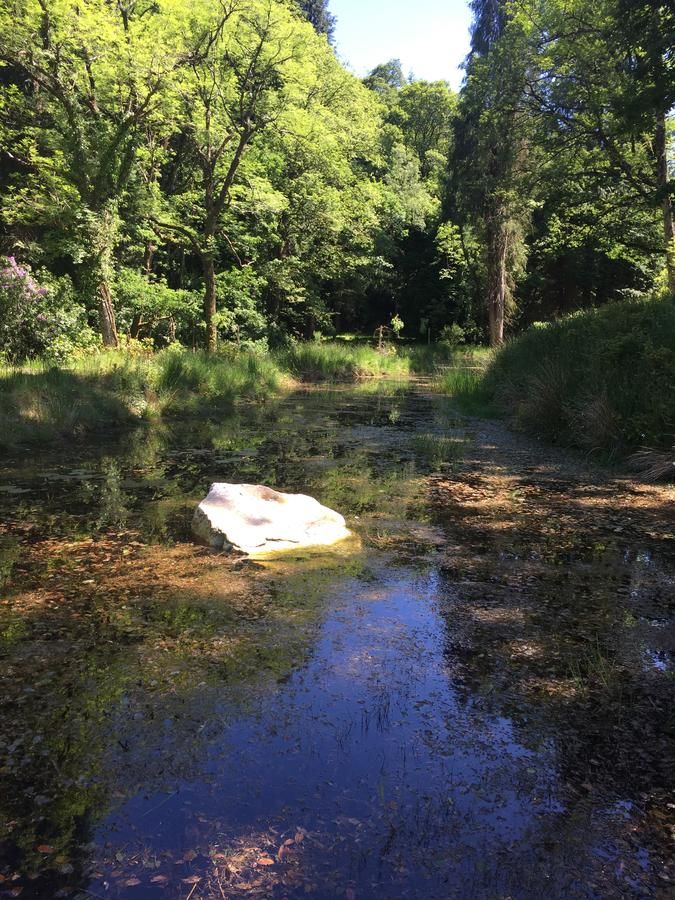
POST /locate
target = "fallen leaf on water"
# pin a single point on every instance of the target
(159, 879)
(284, 850)
(265, 861)
(191, 879)
(45, 848)
(132, 882)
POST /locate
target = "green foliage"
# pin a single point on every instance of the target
(240, 318)
(397, 325)
(146, 303)
(213, 173)
(337, 362)
(38, 320)
(599, 379)
(452, 335)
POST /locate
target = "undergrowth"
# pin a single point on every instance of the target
(600, 379)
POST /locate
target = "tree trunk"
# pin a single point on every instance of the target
(496, 278)
(667, 200)
(148, 256)
(106, 314)
(136, 325)
(210, 303)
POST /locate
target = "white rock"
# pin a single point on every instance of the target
(256, 519)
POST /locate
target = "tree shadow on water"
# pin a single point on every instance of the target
(560, 615)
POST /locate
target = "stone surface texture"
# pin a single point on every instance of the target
(255, 519)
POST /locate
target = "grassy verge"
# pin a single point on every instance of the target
(106, 391)
(600, 380)
(342, 362)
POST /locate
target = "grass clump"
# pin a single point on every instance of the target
(438, 450)
(105, 391)
(341, 362)
(600, 379)
(464, 382)
(190, 382)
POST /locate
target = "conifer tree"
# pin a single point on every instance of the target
(317, 13)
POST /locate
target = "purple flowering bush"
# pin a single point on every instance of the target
(38, 320)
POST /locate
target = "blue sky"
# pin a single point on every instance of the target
(430, 37)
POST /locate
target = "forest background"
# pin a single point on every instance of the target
(210, 174)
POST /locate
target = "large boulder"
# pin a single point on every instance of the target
(255, 519)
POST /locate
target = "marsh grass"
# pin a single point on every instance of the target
(464, 382)
(106, 391)
(438, 450)
(601, 379)
(187, 382)
(342, 362)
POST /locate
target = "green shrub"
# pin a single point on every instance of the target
(600, 379)
(39, 320)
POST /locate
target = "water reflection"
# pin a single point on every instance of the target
(427, 713)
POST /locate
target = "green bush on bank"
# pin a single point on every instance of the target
(600, 379)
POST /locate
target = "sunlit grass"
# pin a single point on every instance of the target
(342, 362)
(464, 382)
(437, 449)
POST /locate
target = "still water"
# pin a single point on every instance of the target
(177, 723)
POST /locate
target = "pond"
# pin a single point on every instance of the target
(444, 706)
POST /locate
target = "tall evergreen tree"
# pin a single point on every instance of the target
(489, 157)
(317, 13)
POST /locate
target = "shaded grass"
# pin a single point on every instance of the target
(106, 391)
(464, 382)
(600, 379)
